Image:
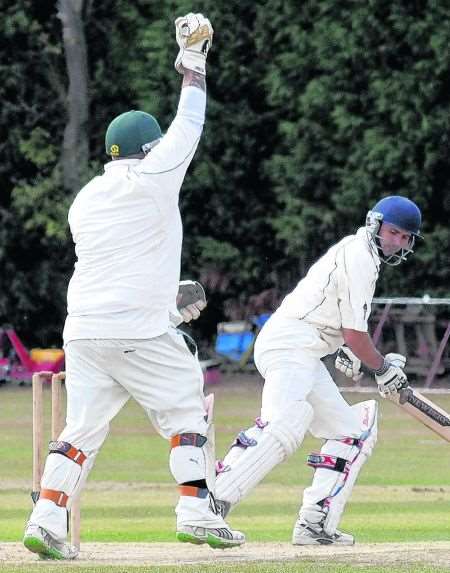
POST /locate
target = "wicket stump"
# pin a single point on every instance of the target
(57, 425)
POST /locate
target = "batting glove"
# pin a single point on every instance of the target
(194, 35)
(191, 300)
(348, 363)
(396, 359)
(390, 379)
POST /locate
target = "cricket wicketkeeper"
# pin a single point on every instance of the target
(122, 301)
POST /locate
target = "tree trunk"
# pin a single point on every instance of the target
(75, 153)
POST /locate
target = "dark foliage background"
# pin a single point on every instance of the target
(316, 110)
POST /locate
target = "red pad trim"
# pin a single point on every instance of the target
(193, 491)
(58, 497)
(67, 450)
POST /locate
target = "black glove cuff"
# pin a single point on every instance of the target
(383, 369)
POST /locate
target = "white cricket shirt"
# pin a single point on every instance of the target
(127, 231)
(338, 289)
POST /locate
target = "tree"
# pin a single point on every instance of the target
(75, 150)
(315, 111)
(363, 113)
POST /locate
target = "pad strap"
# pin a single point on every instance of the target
(245, 441)
(58, 497)
(67, 450)
(196, 440)
(319, 460)
(352, 442)
(193, 491)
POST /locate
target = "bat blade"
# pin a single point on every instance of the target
(424, 410)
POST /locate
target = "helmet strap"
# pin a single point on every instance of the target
(147, 147)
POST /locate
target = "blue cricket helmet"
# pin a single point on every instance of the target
(398, 211)
(401, 212)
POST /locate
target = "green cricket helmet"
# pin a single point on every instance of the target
(131, 133)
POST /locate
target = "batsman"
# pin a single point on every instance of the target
(326, 312)
(119, 337)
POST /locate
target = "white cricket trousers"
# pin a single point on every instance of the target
(162, 375)
(287, 354)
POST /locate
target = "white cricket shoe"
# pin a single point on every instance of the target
(313, 534)
(217, 538)
(37, 540)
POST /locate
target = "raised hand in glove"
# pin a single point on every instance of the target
(194, 35)
(348, 363)
(191, 300)
(391, 378)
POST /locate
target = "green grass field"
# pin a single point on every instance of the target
(403, 494)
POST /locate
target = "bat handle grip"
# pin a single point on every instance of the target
(404, 395)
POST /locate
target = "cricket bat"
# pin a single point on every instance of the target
(424, 410)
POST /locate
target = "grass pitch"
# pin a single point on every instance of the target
(403, 493)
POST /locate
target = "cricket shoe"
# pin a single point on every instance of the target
(38, 540)
(312, 534)
(217, 538)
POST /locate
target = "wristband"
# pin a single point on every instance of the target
(383, 368)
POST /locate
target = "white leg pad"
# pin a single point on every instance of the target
(187, 463)
(268, 446)
(192, 463)
(325, 500)
(60, 474)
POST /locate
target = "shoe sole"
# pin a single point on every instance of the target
(322, 542)
(36, 545)
(188, 538)
(213, 541)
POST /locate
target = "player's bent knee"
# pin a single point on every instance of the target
(260, 449)
(67, 450)
(368, 413)
(64, 472)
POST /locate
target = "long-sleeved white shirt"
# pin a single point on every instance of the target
(127, 231)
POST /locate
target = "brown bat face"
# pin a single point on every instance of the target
(424, 410)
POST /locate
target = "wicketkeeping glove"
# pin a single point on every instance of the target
(348, 363)
(194, 35)
(191, 300)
